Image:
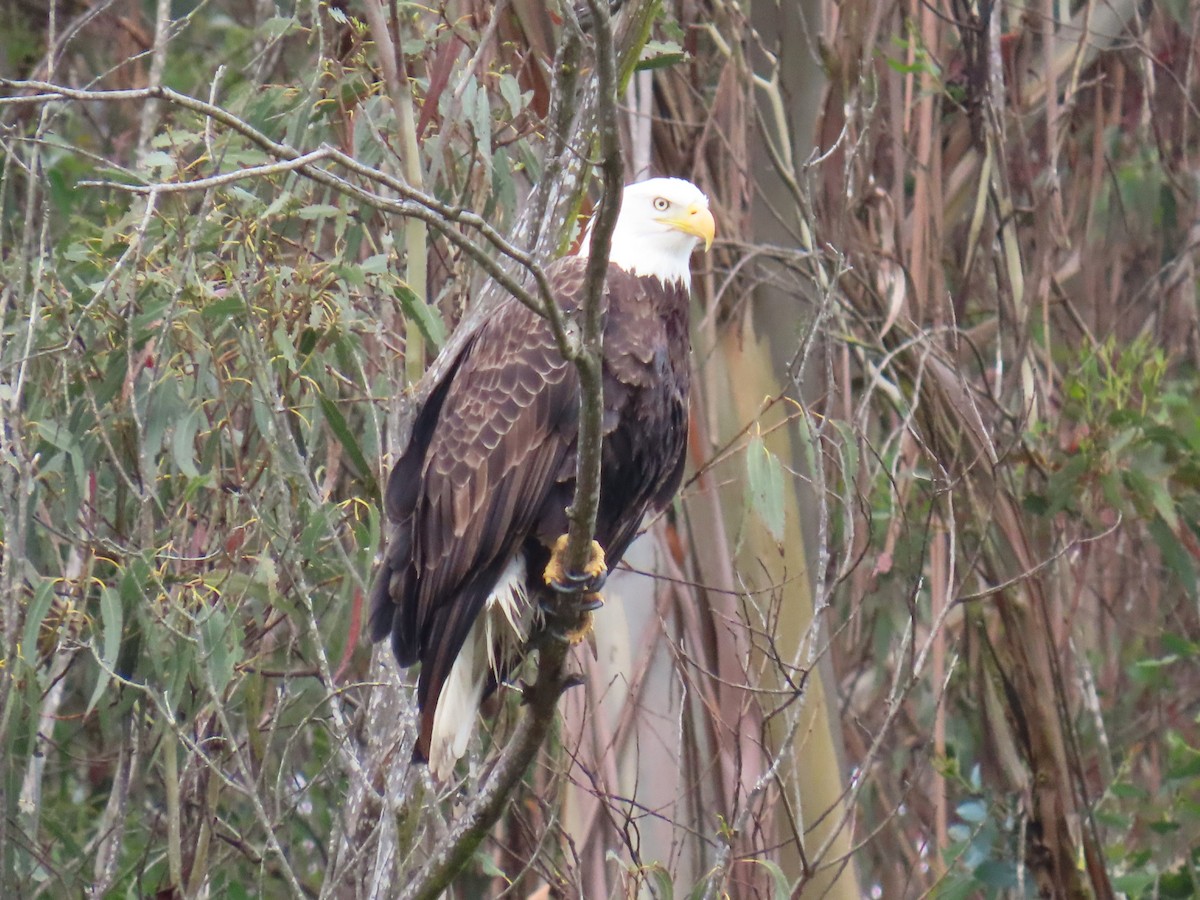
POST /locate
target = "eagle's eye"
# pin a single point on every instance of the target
(661, 203)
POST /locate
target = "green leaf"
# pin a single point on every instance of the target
(974, 811)
(183, 443)
(160, 162)
(284, 346)
(1163, 503)
(1034, 503)
(224, 308)
(764, 475)
(428, 322)
(664, 888)
(276, 26)
(318, 211)
(111, 622)
(1174, 554)
(163, 409)
(959, 888)
(1127, 791)
(1062, 489)
(337, 424)
(783, 890)
(487, 865)
(1179, 645)
(34, 616)
(996, 874)
(222, 648)
(375, 265)
(308, 341)
(1185, 769)
(352, 274)
(510, 90)
(1114, 820)
(660, 55)
(283, 202)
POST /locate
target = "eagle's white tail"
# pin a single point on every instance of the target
(494, 640)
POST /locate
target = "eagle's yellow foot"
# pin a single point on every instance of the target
(583, 630)
(590, 580)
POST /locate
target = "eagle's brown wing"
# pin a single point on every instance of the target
(485, 454)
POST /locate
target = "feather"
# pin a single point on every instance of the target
(485, 658)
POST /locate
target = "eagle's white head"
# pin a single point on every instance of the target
(661, 222)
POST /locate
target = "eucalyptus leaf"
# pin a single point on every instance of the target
(765, 487)
(111, 623)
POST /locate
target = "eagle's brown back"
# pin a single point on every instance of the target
(489, 468)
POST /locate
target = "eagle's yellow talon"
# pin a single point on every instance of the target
(576, 636)
(593, 573)
(597, 566)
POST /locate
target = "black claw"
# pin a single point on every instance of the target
(579, 583)
(575, 680)
(588, 605)
(587, 602)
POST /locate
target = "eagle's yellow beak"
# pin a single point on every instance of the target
(698, 221)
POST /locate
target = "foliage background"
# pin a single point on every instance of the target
(924, 620)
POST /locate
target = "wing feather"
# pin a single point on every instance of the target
(467, 491)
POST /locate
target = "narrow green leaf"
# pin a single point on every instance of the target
(1174, 554)
(510, 90)
(664, 888)
(318, 211)
(224, 308)
(974, 811)
(1127, 791)
(337, 424)
(481, 124)
(283, 201)
(375, 265)
(1179, 645)
(308, 341)
(158, 161)
(1186, 768)
(424, 316)
(660, 54)
(276, 26)
(487, 865)
(765, 487)
(783, 890)
(111, 622)
(284, 346)
(34, 616)
(183, 444)
(1163, 503)
(221, 653)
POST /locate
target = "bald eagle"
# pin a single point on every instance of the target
(477, 501)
